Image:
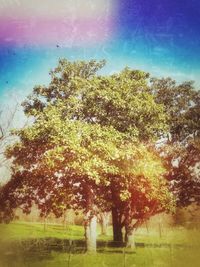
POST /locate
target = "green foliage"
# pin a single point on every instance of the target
(123, 101)
(86, 139)
(182, 105)
(120, 100)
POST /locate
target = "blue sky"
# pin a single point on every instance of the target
(162, 37)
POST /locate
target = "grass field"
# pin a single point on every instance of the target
(24, 230)
(159, 251)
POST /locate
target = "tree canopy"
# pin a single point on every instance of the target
(181, 152)
(92, 145)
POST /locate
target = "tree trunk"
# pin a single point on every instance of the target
(90, 220)
(130, 229)
(104, 219)
(130, 238)
(160, 227)
(147, 227)
(90, 234)
(45, 223)
(65, 220)
(117, 227)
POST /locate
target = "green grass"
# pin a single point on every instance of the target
(143, 257)
(26, 230)
(169, 256)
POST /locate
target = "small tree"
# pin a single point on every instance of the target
(7, 116)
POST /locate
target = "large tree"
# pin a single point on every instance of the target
(85, 141)
(61, 163)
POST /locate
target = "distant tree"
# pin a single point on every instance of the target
(7, 116)
(181, 104)
(182, 149)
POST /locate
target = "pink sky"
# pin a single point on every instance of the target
(37, 23)
(44, 32)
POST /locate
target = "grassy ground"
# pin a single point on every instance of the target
(164, 256)
(142, 257)
(24, 230)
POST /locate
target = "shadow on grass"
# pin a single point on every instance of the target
(35, 250)
(73, 246)
(45, 251)
(43, 247)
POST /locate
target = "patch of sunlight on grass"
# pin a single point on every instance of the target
(23, 230)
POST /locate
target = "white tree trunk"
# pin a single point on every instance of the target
(130, 239)
(104, 220)
(90, 234)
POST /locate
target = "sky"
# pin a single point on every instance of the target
(161, 37)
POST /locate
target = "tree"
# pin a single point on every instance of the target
(6, 123)
(121, 100)
(60, 163)
(7, 116)
(85, 142)
(138, 191)
(181, 104)
(104, 218)
(181, 151)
